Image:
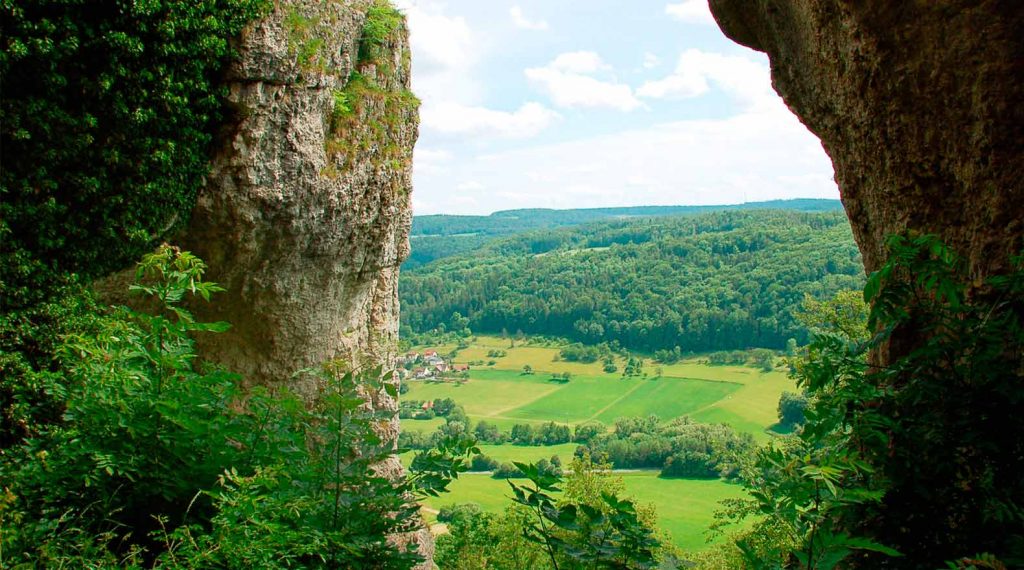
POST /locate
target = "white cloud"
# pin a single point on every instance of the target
(471, 185)
(446, 53)
(756, 155)
(431, 161)
(651, 61)
(521, 21)
(438, 41)
(569, 82)
(747, 81)
(675, 86)
(691, 12)
(455, 119)
(579, 62)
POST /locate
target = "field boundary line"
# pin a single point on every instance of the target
(497, 413)
(616, 401)
(704, 380)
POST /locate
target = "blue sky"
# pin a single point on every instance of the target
(589, 103)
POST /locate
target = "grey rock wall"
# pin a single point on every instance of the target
(306, 212)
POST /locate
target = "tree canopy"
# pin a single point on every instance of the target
(719, 281)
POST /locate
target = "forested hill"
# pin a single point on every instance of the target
(715, 281)
(438, 236)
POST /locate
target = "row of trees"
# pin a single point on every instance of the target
(679, 447)
(457, 424)
(720, 281)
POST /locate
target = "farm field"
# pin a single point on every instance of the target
(685, 507)
(743, 397)
(500, 393)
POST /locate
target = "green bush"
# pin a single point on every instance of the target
(921, 457)
(108, 113)
(157, 459)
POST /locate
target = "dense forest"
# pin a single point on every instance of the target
(717, 281)
(439, 236)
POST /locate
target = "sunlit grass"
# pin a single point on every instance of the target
(685, 507)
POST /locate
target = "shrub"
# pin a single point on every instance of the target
(483, 463)
(507, 471)
(791, 408)
(155, 460)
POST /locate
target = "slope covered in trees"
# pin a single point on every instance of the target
(438, 236)
(714, 281)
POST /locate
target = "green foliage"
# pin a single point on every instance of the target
(29, 342)
(609, 534)
(721, 281)
(462, 511)
(485, 540)
(979, 562)
(507, 471)
(634, 367)
(587, 431)
(807, 484)
(483, 463)
(954, 448)
(667, 356)
(140, 431)
(382, 23)
(923, 454)
(679, 448)
(106, 122)
(156, 460)
(443, 235)
(792, 408)
(578, 352)
(373, 111)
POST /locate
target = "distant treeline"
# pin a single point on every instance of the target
(438, 236)
(719, 281)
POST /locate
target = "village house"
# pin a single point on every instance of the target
(422, 373)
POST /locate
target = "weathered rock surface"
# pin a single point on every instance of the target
(921, 107)
(307, 244)
(306, 212)
(919, 104)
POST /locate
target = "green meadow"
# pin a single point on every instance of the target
(743, 397)
(685, 507)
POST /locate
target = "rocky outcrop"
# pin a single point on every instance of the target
(306, 212)
(919, 104)
(921, 107)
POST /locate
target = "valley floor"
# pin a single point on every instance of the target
(500, 393)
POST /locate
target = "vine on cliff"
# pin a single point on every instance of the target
(108, 113)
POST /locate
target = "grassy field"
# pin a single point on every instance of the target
(685, 507)
(745, 398)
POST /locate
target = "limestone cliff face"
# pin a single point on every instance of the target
(919, 104)
(306, 212)
(305, 215)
